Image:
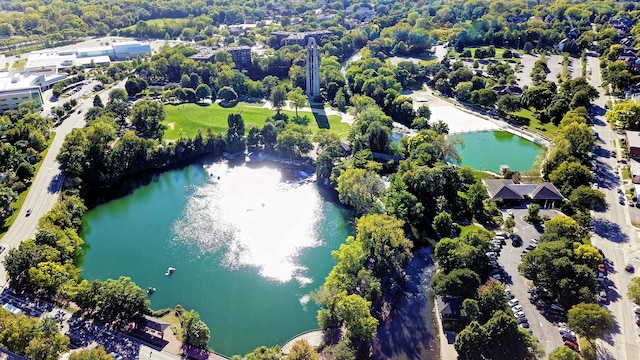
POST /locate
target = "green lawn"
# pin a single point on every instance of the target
(467, 228)
(527, 118)
(188, 118)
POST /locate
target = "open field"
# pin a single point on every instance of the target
(186, 119)
(526, 117)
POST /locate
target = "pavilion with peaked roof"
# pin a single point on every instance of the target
(507, 190)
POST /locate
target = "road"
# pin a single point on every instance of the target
(613, 234)
(510, 257)
(46, 185)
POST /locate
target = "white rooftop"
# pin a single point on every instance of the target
(17, 81)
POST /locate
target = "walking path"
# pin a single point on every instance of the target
(314, 338)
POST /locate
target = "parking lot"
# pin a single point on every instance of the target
(538, 318)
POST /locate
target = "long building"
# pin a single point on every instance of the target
(50, 61)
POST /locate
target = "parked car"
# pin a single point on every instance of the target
(522, 320)
(517, 308)
(514, 302)
(571, 345)
(629, 268)
(520, 314)
(569, 337)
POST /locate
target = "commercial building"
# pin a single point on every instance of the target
(18, 88)
(49, 61)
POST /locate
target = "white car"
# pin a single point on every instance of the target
(534, 241)
(520, 314)
(514, 302)
(595, 186)
(517, 308)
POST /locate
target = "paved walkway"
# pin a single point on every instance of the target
(314, 338)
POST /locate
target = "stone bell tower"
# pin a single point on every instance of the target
(313, 69)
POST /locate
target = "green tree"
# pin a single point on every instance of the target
(570, 175)
(147, 117)
(97, 101)
(470, 310)
(302, 350)
(297, 98)
(442, 224)
(533, 214)
(121, 299)
(585, 198)
(359, 188)
(227, 94)
(135, 85)
(294, 141)
(625, 114)
(509, 223)
(98, 353)
(491, 299)
(633, 291)
(590, 320)
(194, 331)
(564, 353)
(278, 97)
(360, 325)
(235, 133)
(203, 91)
(459, 283)
(509, 103)
(117, 94)
(48, 343)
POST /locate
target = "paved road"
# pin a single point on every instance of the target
(46, 185)
(510, 258)
(614, 235)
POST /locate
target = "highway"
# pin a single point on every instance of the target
(613, 234)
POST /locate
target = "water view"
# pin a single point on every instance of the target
(248, 246)
(488, 150)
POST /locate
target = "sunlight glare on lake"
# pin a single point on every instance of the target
(252, 218)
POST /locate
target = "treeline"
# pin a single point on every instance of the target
(24, 135)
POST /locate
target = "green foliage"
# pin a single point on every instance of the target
(590, 320)
(302, 350)
(294, 141)
(490, 340)
(147, 117)
(98, 353)
(194, 331)
(457, 283)
(633, 291)
(491, 299)
(442, 224)
(625, 114)
(563, 353)
(359, 188)
(467, 251)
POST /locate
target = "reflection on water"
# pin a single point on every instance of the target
(249, 245)
(256, 221)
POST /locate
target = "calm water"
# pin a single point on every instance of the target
(247, 245)
(488, 150)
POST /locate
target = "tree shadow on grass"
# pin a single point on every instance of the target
(320, 116)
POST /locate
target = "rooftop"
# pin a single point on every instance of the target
(633, 139)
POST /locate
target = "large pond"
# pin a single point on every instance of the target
(248, 246)
(488, 150)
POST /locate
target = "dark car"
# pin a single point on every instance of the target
(629, 268)
(28, 212)
(516, 240)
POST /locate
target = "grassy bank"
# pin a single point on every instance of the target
(185, 119)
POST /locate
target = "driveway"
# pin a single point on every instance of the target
(510, 258)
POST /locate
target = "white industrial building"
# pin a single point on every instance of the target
(49, 61)
(16, 89)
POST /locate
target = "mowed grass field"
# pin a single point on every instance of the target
(186, 119)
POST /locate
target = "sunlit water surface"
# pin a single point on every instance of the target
(249, 244)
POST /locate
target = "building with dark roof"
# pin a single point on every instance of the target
(241, 55)
(507, 190)
(299, 38)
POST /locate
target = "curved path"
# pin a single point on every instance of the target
(313, 337)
